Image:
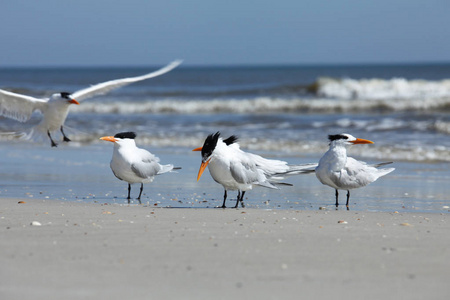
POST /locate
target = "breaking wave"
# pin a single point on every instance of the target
(268, 105)
(378, 89)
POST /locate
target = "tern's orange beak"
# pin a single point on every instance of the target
(109, 139)
(198, 149)
(361, 141)
(73, 101)
(202, 168)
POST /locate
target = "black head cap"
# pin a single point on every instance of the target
(210, 144)
(231, 140)
(125, 135)
(334, 137)
(65, 95)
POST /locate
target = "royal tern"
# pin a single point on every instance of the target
(237, 170)
(56, 108)
(341, 172)
(132, 164)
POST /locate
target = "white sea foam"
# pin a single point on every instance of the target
(376, 89)
(265, 105)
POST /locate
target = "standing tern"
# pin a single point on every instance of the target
(237, 170)
(56, 108)
(132, 164)
(341, 172)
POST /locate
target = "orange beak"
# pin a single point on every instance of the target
(73, 101)
(109, 139)
(198, 149)
(361, 141)
(202, 168)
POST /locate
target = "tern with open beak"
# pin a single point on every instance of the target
(132, 164)
(237, 170)
(56, 108)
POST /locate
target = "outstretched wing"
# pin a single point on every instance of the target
(105, 87)
(19, 107)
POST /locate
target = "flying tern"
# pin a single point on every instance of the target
(56, 108)
(341, 172)
(132, 164)
(237, 170)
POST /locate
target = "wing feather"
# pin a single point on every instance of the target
(105, 87)
(19, 107)
(146, 169)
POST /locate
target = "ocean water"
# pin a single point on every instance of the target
(276, 111)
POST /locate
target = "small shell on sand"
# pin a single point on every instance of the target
(405, 224)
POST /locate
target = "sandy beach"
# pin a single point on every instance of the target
(288, 243)
(115, 251)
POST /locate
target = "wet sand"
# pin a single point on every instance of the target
(115, 251)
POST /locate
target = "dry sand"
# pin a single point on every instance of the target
(97, 251)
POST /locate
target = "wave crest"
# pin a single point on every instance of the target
(265, 105)
(373, 89)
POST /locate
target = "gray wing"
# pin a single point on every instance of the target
(244, 173)
(355, 174)
(105, 87)
(145, 169)
(19, 107)
(148, 166)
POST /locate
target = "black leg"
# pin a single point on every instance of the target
(53, 142)
(238, 199)
(140, 193)
(66, 139)
(242, 199)
(129, 190)
(337, 196)
(224, 199)
(348, 196)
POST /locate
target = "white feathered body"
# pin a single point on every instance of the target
(338, 171)
(239, 170)
(54, 115)
(135, 165)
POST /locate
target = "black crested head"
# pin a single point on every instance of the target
(125, 135)
(334, 137)
(209, 145)
(231, 140)
(65, 95)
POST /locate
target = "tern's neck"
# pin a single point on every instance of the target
(336, 156)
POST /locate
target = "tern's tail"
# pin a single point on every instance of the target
(296, 170)
(168, 168)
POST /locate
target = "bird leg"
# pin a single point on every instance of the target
(242, 199)
(348, 197)
(238, 199)
(337, 196)
(129, 190)
(224, 199)
(53, 142)
(140, 193)
(66, 139)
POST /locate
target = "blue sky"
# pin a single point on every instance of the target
(209, 32)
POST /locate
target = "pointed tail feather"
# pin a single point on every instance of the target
(382, 164)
